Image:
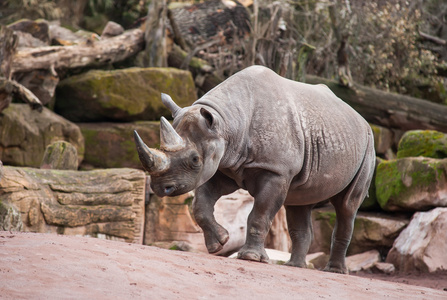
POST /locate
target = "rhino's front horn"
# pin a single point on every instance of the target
(169, 138)
(153, 161)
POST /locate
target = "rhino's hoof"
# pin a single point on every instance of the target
(336, 270)
(296, 264)
(215, 242)
(253, 255)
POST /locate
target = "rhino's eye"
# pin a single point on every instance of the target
(195, 160)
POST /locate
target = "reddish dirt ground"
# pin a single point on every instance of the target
(44, 266)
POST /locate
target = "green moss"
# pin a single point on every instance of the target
(329, 216)
(427, 143)
(388, 182)
(398, 180)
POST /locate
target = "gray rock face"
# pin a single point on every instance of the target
(122, 95)
(371, 230)
(10, 218)
(422, 245)
(60, 156)
(25, 133)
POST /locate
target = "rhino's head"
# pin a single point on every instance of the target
(188, 156)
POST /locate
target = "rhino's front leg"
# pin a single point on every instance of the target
(269, 192)
(203, 209)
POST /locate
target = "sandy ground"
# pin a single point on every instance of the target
(44, 266)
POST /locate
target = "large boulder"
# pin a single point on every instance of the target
(25, 133)
(427, 143)
(371, 230)
(111, 145)
(123, 95)
(422, 245)
(105, 203)
(411, 184)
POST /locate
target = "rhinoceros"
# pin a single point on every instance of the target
(285, 142)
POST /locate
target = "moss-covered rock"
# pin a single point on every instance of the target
(411, 184)
(383, 138)
(25, 133)
(371, 230)
(427, 143)
(60, 155)
(111, 145)
(123, 95)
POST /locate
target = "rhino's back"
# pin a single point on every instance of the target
(289, 127)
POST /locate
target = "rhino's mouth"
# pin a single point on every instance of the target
(171, 190)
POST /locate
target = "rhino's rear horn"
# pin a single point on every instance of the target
(153, 160)
(170, 140)
(170, 104)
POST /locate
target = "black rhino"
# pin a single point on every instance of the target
(285, 142)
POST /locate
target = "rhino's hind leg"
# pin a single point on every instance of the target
(346, 204)
(300, 230)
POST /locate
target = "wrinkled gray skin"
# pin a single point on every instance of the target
(285, 142)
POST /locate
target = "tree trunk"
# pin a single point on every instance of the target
(155, 35)
(389, 109)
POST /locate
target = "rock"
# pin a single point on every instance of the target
(276, 257)
(383, 267)
(278, 237)
(41, 82)
(318, 260)
(60, 156)
(411, 184)
(1, 170)
(231, 211)
(26, 40)
(383, 139)
(123, 95)
(102, 203)
(26, 133)
(10, 218)
(64, 37)
(111, 145)
(422, 245)
(39, 29)
(169, 220)
(112, 29)
(362, 261)
(427, 143)
(371, 230)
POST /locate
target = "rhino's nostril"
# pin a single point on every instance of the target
(169, 189)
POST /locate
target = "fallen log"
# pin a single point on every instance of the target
(10, 88)
(108, 50)
(389, 109)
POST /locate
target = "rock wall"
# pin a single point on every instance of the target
(107, 203)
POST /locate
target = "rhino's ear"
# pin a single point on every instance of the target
(209, 119)
(170, 104)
